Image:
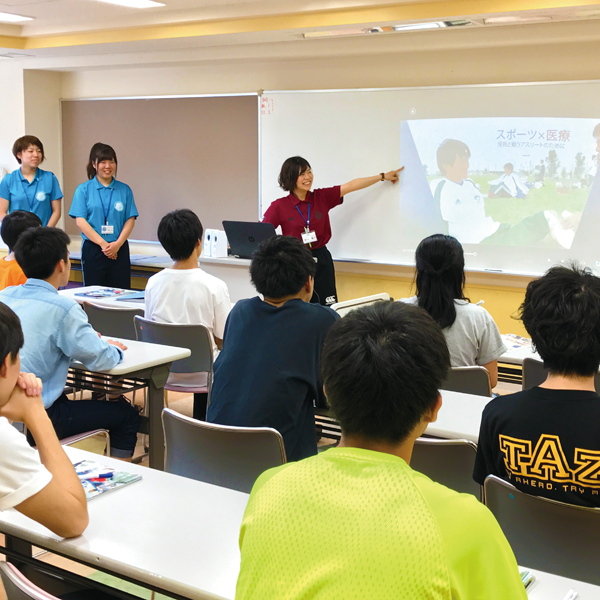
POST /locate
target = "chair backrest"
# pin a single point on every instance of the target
(196, 338)
(469, 380)
(449, 462)
(18, 587)
(343, 308)
(112, 322)
(547, 535)
(232, 457)
(534, 374)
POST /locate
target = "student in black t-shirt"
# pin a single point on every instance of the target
(267, 374)
(546, 440)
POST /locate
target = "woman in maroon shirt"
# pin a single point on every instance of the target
(304, 214)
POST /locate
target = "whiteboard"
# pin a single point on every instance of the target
(346, 134)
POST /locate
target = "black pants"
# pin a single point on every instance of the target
(325, 292)
(71, 417)
(98, 269)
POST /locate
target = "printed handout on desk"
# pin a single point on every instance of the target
(104, 293)
(514, 341)
(97, 479)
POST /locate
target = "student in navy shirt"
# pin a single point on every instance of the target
(105, 211)
(268, 373)
(304, 214)
(30, 188)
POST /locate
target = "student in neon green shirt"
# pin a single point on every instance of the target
(356, 522)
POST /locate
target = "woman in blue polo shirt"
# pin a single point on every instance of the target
(105, 211)
(30, 188)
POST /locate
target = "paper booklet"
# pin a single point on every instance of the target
(104, 293)
(98, 479)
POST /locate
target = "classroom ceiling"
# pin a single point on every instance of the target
(209, 29)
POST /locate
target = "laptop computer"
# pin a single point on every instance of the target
(244, 237)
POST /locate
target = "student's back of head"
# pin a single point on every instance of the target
(281, 267)
(561, 313)
(11, 334)
(440, 277)
(382, 367)
(39, 250)
(179, 232)
(15, 223)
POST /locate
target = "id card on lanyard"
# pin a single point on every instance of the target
(308, 236)
(106, 229)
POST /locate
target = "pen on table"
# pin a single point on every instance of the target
(571, 595)
(494, 270)
(98, 479)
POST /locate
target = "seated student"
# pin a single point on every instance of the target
(394, 532)
(472, 336)
(56, 331)
(45, 488)
(185, 293)
(508, 185)
(267, 374)
(13, 225)
(545, 440)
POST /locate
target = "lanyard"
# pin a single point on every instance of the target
(26, 187)
(106, 209)
(306, 220)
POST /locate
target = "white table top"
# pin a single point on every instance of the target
(516, 354)
(142, 355)
(166, 530)
(459, 417)
(553, 587)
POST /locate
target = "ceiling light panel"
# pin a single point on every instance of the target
(133, 3)
(12, 18)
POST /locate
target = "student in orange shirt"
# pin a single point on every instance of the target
(13, 225)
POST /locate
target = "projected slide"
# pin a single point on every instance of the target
(501, 181)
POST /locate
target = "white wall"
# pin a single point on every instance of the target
(12, 112)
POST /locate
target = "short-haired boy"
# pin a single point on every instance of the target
(392, 532)
(56, 331)
(267, 374)
(45, 487)
(185, 294)
(545, 440)
(13, 225)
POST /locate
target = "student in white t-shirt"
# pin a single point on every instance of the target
(45, 488)
(185, 294)
(508, 185)
(472, 336)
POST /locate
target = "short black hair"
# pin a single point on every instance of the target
(15, 223)
(448, 151)
(11, 334)
(39, 250)
(561, 313)
(291, 169)
(382, 367)
(179, 232)
(281, 267)
(24, 142)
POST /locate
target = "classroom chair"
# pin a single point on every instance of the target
(18, 587)
(343, 308)
(232, 457)
(534, 374)
(544, 534)
(468, 380)
(79, 437)
(195, 337)
(112, 322)
(449, 462)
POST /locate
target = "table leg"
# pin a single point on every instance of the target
(156, 402)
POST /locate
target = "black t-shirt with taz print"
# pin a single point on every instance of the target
(545, 442)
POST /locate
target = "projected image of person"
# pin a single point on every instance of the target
(462, 206)
(508, 185)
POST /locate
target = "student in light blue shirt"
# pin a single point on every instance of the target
(105, 211)
(57, 331)
(30, 188)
